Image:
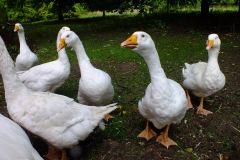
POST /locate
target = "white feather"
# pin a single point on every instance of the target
(26, 58)
(58, 119)
(164, 101)
(95, 85)
(202, 78)
(14, 143)
(48, 76)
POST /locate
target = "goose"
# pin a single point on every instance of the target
(14, 143)
(57, 119)
(95, 85)
(49, 76)
(26, 58)
(205, 79)
(164, 102)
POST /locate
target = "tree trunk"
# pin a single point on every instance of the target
(4, 16)
(205, 7)
(239, 7)
(60, 10)
(103, 13)
(168, 6)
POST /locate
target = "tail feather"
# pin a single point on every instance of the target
(104, 110)
(186, 65)
(185, 69)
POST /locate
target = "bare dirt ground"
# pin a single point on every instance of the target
(211, 136)
(198, 137)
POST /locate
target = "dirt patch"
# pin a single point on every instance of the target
(123, 67)
(128, 67)
(198, 137)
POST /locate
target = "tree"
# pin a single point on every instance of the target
(145, 6)
(103, 5)
(239, 7)
(3, 11)
(205, 7)
(58, 7)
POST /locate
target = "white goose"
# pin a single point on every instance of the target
(48, 76)
(205, 79)
(26, 58)
(95, 85)
(14, 143)
(164, 101)
(59, 120)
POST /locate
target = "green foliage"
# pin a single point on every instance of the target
(2, 3)
(3, 11)
(79, 9)
(183, 2)
(224, 1)
(33, 10)
(45, 11)
(28, 13)
(108, 5)
(153, 6)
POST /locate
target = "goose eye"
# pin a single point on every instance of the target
(143, 35)
(67, 36)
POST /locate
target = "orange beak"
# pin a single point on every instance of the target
(131, 42)
(62, 44)
(210, 44)
(16, 28)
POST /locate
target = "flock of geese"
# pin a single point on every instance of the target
(62, 122)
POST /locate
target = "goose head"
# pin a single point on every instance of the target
(18, 27)
(63, 29)
(213, 42)
(139, 42)
(68, 38)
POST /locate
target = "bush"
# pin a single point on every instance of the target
(28, 13)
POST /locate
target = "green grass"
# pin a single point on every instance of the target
(101, 39)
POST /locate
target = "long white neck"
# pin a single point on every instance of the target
(152, 59)
(83, 59)
(22, 41)
(12, 84)
(213, 60)
(62, 56)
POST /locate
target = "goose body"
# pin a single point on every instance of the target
(14, 143)
(204, 79)
(165, 101)
(59, 120)
(48, 76)
(95, 85)
(159, 106)
(26, 58)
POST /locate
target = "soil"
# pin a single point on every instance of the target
(216, 136)
(198, 137)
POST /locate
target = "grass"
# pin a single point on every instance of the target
(175, 44)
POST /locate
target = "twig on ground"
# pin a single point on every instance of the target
(219, 108)
(235, 129)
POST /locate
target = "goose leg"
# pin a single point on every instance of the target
(64, 155)
(201, 110)
(147, 133)
(164, 139)
(53, 153)
(190, 106)
(108, 117)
